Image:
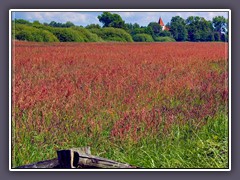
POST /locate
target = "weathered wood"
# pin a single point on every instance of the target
(52, 164)
(77, 158)
(82, 158)
(89, 161)
(66, 157)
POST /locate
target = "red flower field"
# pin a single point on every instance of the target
(114, 96)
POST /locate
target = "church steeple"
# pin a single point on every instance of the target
(160, 21)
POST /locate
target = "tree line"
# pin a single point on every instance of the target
(114, 28)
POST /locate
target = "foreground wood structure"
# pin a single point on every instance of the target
(77, 158)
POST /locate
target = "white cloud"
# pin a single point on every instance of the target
(142, 18)
(85, 18)
(127, 14)
(206, 15)
(210, 15)
(75, 17)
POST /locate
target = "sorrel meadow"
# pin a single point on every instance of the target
(152, 105)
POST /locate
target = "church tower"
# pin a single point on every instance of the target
(160, 22)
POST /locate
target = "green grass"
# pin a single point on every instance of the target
(183, 147)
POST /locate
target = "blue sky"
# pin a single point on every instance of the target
(85, 18)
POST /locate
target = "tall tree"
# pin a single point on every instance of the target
(198, 28)
(93, 26)
(54, 24)
(111, 20)
(22, 21)
(156, 28)
(69, 24)
(130, 28)
(220, 24)
(165, 33)
(178, 28)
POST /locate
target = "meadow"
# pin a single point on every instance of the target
(152, 105)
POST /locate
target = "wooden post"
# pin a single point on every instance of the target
(82, 158)
(68, 158)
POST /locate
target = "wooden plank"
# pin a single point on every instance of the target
(77, 158)
(89, 161)
(52, 164)
(82, 158)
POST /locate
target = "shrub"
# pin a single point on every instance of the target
(48, 36)
(97, 31)
(28, 33)
(164, 39)
(165, 33)
(112, 34)
(143, 38)
(87, 35)
(24, 35)
(67, 35)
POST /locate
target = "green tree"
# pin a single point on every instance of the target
(142, 30)
(22, 21)
(93, 26)
(156, 28)
(36, 23)
(210, 37)
(165, 34)
(53, 24)
(129, 27)
(198, 28)
(136, 25)
(69, 24)
(220, 24)
(223, 37)
(45, 24)
(111, 20)
(178, 28)
(63, 25)
(216, 36)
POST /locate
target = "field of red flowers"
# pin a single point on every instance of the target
(112, 95)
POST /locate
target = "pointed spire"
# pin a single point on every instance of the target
(160, 21)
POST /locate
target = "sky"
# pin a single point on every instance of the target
(86, 18)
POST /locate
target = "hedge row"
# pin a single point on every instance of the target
(143, 38)
(87, 35)
(28, 33)
(112, 34)
(42, 33)
(164, 39)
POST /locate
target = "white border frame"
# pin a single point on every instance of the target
(116, 10)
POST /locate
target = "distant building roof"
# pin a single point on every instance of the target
(164, 28)
(160, 22)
